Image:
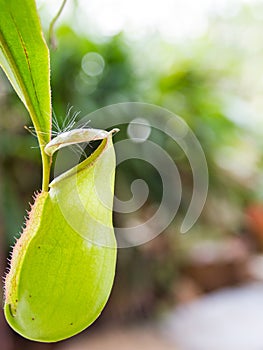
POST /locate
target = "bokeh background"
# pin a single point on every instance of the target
(203, 61)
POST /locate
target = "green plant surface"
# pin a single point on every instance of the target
(60, 278)
(24, 57)
(62, 267)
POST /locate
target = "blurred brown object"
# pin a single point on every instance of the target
(143, 337)
(5, 333)
(186, 290)
(254, 224)
(255, 267)
(216, 264)
(6, 340)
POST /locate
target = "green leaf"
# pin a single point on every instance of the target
(62, 267)
(24, 57)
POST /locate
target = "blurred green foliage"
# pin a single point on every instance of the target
(85, 92)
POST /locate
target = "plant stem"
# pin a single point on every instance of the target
(52, 23)
(46, 165)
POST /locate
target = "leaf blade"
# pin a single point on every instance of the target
(24, 57)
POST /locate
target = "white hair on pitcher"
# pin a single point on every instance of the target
(76, 136)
